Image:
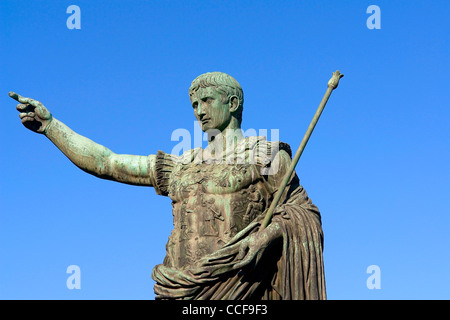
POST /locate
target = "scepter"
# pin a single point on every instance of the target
(332, 84)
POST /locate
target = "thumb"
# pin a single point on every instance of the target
(42, 112)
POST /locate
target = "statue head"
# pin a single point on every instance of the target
(218, 100)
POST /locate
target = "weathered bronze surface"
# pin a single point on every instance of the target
(219, 247)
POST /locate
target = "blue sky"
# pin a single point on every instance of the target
(377, 164)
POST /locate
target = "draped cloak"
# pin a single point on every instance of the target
(292, 268)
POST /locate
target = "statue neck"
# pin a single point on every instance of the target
(222, 143)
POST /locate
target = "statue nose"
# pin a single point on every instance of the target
(200, 110)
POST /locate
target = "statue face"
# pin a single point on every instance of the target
(210, 110)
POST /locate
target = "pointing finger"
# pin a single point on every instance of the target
(14, 95)
(18, 97)
(34, 103)
(21, 99)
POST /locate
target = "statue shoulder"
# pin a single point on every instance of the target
(168, 159)
(165, 164)
(264, 151)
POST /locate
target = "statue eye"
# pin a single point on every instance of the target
(195, 105)
(208, 100)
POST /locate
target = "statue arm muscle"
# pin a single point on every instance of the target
(100, 161)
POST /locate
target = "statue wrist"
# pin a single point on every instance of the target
(47, 127)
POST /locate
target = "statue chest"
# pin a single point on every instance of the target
(194, 178)
(211, 203)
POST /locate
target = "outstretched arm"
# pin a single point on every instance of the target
(98, 160)
(83, 152)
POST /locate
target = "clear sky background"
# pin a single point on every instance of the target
(377, 164)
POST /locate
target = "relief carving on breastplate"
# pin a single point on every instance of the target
(255, 206)
(247, 205)
(185, 228)
(210, 213)
(237, 176)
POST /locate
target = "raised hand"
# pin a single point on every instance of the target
(33, 114)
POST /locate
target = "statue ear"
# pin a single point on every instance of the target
(234, 103)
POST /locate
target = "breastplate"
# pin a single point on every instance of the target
(211, 203)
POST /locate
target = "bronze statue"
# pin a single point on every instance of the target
(220, 247)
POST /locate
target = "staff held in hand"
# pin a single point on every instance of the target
(332, 84)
